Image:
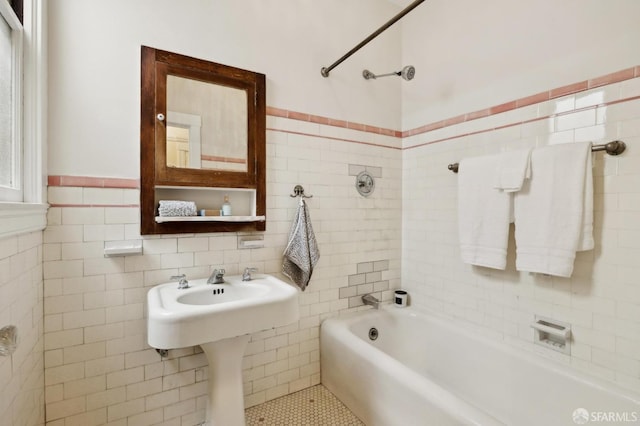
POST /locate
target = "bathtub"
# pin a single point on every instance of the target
(421, 370)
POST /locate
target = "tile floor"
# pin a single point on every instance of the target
(314, 406)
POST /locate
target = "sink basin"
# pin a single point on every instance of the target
(222, 293)
(210, 312)
(219, 318)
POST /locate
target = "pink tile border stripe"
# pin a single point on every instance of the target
(517, 123)
(569, 89)
(95, 205)
(93, 182)
(310, 118)
(292, 132)
(615, 77)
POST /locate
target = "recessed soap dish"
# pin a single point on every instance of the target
(552, 334)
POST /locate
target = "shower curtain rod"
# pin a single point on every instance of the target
(611, 148)
(326, 70)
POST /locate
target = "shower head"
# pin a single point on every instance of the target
(407, 73)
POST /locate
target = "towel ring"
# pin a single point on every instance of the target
(298, 191)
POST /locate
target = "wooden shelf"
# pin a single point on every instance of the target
(163, 219)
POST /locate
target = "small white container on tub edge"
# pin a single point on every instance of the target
(400, 298)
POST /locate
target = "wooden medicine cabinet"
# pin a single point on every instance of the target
(202, 139)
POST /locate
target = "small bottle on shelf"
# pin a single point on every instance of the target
(226, 207)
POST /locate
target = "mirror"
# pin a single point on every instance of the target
(202, 128)
(220, 115)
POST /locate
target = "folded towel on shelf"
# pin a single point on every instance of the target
(554, 210)
(301, 253)
(171, 208)
(513, 168)
(483, 214)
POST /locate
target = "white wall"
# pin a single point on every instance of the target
(98, 367)
(94, 67)
(601, 300)
(470, 54)
(497, 52)
(22, 372)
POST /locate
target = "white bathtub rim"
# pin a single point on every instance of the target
(461, 410)
(452, 323)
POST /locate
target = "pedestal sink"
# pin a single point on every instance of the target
(219, 318)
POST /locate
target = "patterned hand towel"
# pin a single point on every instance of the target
(301, 254)
(177, 208)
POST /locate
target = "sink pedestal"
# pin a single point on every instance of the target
(226, 397)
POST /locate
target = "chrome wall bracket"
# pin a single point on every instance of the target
(8, 340)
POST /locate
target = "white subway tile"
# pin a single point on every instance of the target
(125, 409)
(63, 234)
(125, 377)
(147, 387)
(179, 409)
(121, 215)
(90, 418)
(177, 380)
(64, 373)
(82, 215)
(102, 196)
(82, 387)
(177, 260)
(64, 195)
(67, 407)
(106, 365)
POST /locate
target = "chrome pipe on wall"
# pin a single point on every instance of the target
(326, 70)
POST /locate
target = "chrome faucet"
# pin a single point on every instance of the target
(246, 275)
(183, 283)
(217, 277)
(369, 299)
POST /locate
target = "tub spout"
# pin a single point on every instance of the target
(369, 299)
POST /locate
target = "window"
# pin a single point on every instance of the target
(10, 105)
(22, 116)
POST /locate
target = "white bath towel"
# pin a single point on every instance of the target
(513, 168)
(483, 214)
(177, 208)
(554, 210)
(301, 253)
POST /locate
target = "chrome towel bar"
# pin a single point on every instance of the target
(611, 148)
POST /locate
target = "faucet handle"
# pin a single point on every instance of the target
(183, 283)
(246, 275)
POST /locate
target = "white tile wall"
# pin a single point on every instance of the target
(21, 298)
(601, 300)
(99, 368)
